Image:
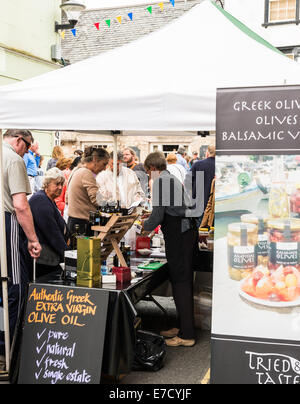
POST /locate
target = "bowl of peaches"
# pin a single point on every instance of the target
(280, 288)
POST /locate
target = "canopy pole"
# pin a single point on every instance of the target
(3, 262)
(115, 138)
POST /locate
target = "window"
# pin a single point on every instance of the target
(167, 148)
(97, 146)
(291, 52)
(281, 12)
(57, 138)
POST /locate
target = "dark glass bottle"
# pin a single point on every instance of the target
(92, 222)
(118, 209)
(74, 237)
(104, 215)
(126, 253)
(116, 261)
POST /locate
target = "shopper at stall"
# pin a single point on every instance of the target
(32, 159)
(180, 234)
(38, 180)
(207, 166)
(175, 169)
(194, 158)
(129, 158)
(82, 188)
(18, 223)
(129, 190)
(181, 153)
(57, 153)
(64, 165)
(50, 227)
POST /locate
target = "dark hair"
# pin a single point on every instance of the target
(119, 155)
(78, 152)
(75, 162)
(17, 133)
(157, 160)
(92, 153)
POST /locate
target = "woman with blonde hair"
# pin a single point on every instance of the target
(175, 169)
(57, 153)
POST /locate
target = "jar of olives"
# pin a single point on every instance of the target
(242, 240)
(262, 247)
(284, 243)
(295, 200)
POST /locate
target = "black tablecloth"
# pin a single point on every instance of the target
(120, 332)
(120, 339)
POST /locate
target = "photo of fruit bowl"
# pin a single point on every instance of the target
(278, 289)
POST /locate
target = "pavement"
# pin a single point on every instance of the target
(182, 365)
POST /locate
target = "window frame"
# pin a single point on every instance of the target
(292, 50)
(268, 23)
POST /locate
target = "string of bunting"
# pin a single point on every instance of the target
(119, 19)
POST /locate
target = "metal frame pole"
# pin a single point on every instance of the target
(3, 261)
(115, 137)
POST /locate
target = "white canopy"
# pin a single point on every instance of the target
(164, 81)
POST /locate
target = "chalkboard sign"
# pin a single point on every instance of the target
(63, 335)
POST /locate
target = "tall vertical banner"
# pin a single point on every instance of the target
(256, 299)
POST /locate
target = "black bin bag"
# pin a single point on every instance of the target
(150, 351)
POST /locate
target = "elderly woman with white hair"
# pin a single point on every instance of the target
(50, 227)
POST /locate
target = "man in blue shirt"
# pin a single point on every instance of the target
(32, 160)
(181, 152)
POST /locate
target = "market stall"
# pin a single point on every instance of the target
(165, 81)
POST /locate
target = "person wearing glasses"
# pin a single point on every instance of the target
(21, 237)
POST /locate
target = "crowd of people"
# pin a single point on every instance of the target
(43, 209)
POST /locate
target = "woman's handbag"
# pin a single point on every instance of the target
(48, 257)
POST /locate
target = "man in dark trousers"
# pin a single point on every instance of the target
(207, 166)
(21, 238)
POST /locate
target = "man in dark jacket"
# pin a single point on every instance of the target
(180, 235)
(207, 166)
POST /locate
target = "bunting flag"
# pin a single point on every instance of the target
(63, 34)
(120, 18)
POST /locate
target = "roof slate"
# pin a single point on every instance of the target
(90, 42)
